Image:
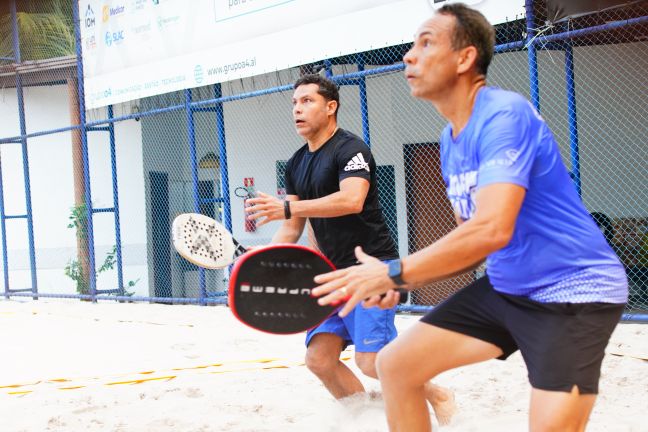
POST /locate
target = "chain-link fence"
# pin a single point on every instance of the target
(141, 163)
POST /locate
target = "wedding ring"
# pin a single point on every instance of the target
(343, 290)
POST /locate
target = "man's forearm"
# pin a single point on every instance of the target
(333, 205)
(463, 249)
(286, 235)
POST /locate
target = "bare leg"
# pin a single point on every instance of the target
(442, 400)
(407, 364)
(323, 359)
(559, 411)
(366, 362)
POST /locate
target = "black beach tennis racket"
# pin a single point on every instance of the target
(270, 288)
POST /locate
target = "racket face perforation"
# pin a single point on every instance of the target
(270, 289)
(202, 241)
(286, 265)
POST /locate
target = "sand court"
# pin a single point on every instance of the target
(78, 366)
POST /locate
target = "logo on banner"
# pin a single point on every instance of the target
(198, 74)
(89, 17)
(115, 37)
(91, 43)
(167, 21)
(109, 11)
(141, 29)
(139, 4)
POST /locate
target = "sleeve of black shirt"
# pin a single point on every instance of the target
(354, 159)
(290, 187)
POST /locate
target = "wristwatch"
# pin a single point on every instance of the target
(394, 271)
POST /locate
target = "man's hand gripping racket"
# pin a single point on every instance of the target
(366, 283)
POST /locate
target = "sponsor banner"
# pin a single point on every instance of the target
(139, 48)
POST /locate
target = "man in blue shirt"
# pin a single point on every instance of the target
(554, 288)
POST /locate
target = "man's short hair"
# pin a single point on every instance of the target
(472, 29)
(327, 88)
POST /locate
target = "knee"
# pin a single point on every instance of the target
(387, 364)
(574, 421)
(320, 363)
(554, 425)
(366, 362)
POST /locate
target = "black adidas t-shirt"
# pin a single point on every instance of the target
(312, 175)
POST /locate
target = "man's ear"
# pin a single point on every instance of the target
(467, 59)
(331, 107)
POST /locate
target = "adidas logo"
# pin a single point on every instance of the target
(356, 163)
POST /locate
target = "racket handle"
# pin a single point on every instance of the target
(240, 249)
(404, 295)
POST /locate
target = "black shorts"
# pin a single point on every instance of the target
(562, 343)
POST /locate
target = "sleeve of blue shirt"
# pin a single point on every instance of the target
(507, 146)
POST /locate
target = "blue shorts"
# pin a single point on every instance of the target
(368, 329)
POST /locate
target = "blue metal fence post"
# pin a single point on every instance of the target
(25, 155)
(113, 164)
(364, 107)
(191, 135)
(92, 277)
(3, 227)
(3, 224)
(571, 112)
(328, 68)
(222, 155)
(532, 54)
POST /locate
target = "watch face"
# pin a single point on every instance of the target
(394, 271)
(394, 268)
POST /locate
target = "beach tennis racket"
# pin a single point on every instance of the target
(270, 288)
(204, 242)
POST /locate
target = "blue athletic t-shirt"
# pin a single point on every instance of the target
(557, 253)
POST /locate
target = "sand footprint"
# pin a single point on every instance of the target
(193, 393)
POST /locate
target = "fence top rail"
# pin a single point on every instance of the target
(591, 30)
(136, 115)
(18, 139)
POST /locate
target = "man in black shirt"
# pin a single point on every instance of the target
(331, 183)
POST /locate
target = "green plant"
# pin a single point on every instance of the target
(77, 218)
(74, 269)
(45, 30)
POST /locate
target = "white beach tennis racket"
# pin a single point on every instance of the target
(204, 242)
